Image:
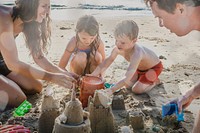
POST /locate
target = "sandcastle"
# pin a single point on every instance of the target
(73, 119)
(49, 111)
(102, 119)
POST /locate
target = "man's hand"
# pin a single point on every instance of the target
(183, 102)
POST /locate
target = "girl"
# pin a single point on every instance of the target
(85, 51)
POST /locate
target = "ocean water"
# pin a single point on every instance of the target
(68, 9)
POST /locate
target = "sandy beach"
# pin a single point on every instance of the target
(180, 57)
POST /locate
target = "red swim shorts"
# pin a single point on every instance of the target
(151, 75)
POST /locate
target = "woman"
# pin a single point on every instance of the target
(30, 17)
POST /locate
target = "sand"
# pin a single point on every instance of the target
(180, 57)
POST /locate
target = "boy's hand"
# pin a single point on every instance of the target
(109, 92)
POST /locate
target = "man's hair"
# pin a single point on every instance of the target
(128, 28)
(170, 5)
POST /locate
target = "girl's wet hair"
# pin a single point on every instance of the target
(170, 5)
(89, 24)
(37, 35)
(128, 28)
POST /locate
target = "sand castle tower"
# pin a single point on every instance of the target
(73, 119)
(101, 118)
(49, 112)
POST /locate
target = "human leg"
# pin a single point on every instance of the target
(95, 61)
(146, 81)
(11, 94)
(140, 88)
(27, 84)
(78, 63)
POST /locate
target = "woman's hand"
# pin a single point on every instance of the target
(74, 75)
(63, 80)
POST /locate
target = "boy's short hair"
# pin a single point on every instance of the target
(128, 28)
(170, 5)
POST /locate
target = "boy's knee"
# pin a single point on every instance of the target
(137, 90)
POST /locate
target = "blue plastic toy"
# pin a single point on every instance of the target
(108, 85)
(170, 109)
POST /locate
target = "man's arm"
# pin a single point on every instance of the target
(196, 91)
(196, 124)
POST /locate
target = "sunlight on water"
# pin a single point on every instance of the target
(74, 3)
(98, 8)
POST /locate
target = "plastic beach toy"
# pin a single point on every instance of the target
(13, 129)
(22, 109)
(170, 109)
(108, 85)
(88, 85)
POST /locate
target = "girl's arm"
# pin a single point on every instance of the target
(106, 63)
(67, 53)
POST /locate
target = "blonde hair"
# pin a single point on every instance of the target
(128, 28)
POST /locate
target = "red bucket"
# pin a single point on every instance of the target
(88, 85)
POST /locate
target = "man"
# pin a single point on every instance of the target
(180, 17)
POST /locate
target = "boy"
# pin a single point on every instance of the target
(145, 67)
